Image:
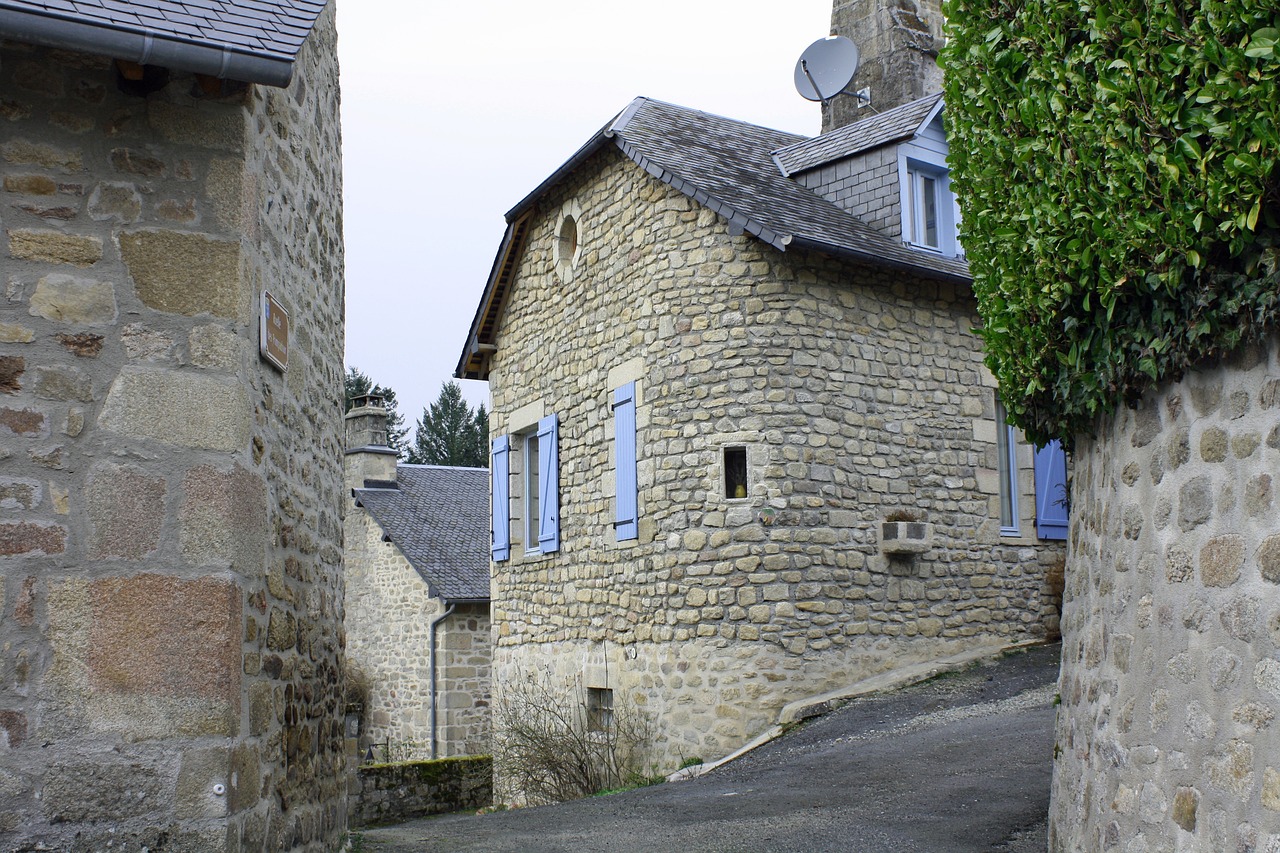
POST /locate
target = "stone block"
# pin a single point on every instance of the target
(19, 493)
(105, 788)
(12, 333)
(215, 347)
(1195, 503)
(1186, 802)
(217, 126)
(1221, 559)
(30, 184)
(115, 202)
(1271, 789)
(29, 538)
(62, 383)
(1268, 559)
(166, 637)
(1213, 444)
(178, 408)
(54, 247)
(224, 517)
(77, 301)
(26, 422)
(22, 151)
(13, 725)
(126, 511)
(224, 187)
(203, 784)
(12, 367)
(183, 273)
(132, 162)
(1231, 767)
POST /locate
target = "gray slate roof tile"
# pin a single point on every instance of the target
(889, 126)
(727, 166)
(439, 519)
(275, 28)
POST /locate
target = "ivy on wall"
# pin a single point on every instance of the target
(1116, 164)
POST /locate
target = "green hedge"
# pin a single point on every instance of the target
(1116, 164)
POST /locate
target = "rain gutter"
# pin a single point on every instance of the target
(145, 47)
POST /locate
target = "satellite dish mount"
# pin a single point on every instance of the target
(826, 67)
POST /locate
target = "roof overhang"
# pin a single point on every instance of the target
(144, 46)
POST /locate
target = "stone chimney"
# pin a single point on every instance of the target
(368, 455)
(898, 41)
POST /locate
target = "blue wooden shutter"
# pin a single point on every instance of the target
(500, 507)
(549, 484)
(624, 448)
(1051, 491)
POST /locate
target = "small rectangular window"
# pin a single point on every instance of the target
(599, 709)
(1007, 466)
(735, 472)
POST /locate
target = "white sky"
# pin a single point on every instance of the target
(453, 111)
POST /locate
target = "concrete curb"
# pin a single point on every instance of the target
(824, 703)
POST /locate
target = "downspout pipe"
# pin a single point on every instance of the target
(432, 665)
(145, 47)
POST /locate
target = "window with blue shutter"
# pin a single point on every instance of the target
(549, 484)
(1051, 491)
(624, 448)
(499, 505)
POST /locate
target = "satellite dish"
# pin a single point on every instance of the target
(826, 67)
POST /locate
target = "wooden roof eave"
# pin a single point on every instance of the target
(482, 341)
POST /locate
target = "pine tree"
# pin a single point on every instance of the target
(358, 384)
(451, 433)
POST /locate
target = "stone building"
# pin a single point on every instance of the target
(417, 596)
(1167, 738)
(745, 450)
(170, 505)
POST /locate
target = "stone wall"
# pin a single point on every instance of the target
(394, 793)
(1167, 737)
(389, 612)
(898, 42)
(855, 393)
(170, 565)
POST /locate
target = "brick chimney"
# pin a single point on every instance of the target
(898, 41)
(368, 455)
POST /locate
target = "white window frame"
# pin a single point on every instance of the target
(1008, 475)
(914, 164)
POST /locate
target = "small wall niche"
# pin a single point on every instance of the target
(735, 472)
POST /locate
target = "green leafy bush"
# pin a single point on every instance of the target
(1116, 164)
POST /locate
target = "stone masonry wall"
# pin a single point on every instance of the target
(898, 41)
(854, 392)
(389, 611)
(170, 565)
(1167, 735)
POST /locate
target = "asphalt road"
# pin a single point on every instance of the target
(960, 763)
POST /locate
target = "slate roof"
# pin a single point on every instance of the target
(892, 125)
(439, 519)
(727, 166)
(275, 28)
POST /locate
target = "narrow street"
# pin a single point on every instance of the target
(959, 763)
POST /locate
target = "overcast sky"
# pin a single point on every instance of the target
(453, 112)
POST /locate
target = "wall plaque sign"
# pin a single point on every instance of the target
(273, 342)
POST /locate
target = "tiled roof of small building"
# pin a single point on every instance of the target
(265, 27)
(890, 126)
(439, 519)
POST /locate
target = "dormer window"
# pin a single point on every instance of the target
(923, 205)
(929, 209)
